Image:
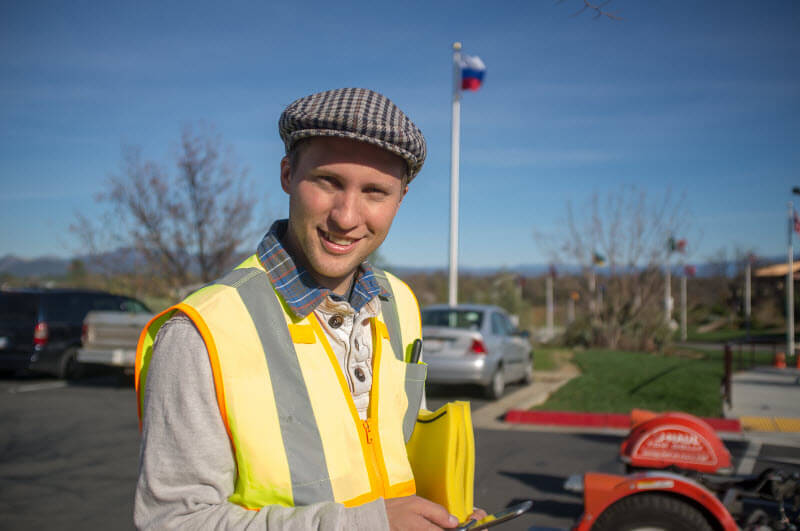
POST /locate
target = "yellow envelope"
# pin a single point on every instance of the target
(442, 455)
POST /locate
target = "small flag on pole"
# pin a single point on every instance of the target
(472, 71)
(690, 270)
(796, 221)
(674, 245)
(598, 259)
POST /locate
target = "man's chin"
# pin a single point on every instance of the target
(337, 271)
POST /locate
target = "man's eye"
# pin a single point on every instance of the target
(326, 180)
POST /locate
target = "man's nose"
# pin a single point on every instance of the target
(346, 212)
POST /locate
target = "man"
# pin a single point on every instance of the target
(281, 396)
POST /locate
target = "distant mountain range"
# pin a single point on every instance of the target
(36, 267)
(534, 270)
(55, 266)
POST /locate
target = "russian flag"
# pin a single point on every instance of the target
(472, 71)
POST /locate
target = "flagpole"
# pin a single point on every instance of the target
(668, 294)
(454, 156)
(592, 288)
(549, 298)
(790, 290)
(747, 294)
(683, 307)
(600, 298)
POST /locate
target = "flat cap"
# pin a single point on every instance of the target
(356, 113)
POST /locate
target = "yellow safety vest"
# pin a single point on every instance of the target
(296, 435)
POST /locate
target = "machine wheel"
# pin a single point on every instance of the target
(651, 512)
(497, 384)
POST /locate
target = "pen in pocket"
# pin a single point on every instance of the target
(416, 351)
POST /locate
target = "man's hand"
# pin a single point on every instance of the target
(477, 514)
(413, 512)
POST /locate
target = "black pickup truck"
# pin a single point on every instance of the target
(40, 329)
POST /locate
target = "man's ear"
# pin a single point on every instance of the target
(405, 191)
(286, 174)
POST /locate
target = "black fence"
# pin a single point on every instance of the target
(749, 355)
(745, 355)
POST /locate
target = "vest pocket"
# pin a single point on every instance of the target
(414, 387)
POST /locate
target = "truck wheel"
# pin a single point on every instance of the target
(651, 512)
(69, 368)
(496, 385)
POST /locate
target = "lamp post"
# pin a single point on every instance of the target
(790, 283)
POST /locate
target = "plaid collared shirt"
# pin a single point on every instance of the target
(300, 291)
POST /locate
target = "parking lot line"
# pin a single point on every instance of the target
(37, 387)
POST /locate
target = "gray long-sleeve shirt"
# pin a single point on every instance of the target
(186, 465)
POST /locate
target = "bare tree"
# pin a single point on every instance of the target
(187, 226)
(597, 9)
(623, 300)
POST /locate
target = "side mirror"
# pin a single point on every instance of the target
(522, 333)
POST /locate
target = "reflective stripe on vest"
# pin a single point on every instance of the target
(287, 414)
(402, 339)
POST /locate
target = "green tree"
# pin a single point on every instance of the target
(77, 274)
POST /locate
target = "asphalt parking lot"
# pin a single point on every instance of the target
(70, 450)
(69, 453)
(69, 458)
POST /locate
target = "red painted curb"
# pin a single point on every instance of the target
(724, 424)
(598, 420)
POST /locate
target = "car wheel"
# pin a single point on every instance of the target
(527, 379)
(651, 512)
(497, 384)
(69, 368)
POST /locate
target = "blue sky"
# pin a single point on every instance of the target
(701, 98)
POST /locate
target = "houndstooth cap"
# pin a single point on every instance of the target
(356, 113)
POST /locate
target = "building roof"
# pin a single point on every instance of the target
(777, 270)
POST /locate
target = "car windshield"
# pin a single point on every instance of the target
(134, 306)
(467, 319)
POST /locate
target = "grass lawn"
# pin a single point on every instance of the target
(546, 358)
(616, 382)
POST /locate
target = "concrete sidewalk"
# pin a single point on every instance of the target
(766, 399)
(544, 384)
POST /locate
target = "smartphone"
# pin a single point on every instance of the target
(496, 518)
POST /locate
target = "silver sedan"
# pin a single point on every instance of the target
(476, 344)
